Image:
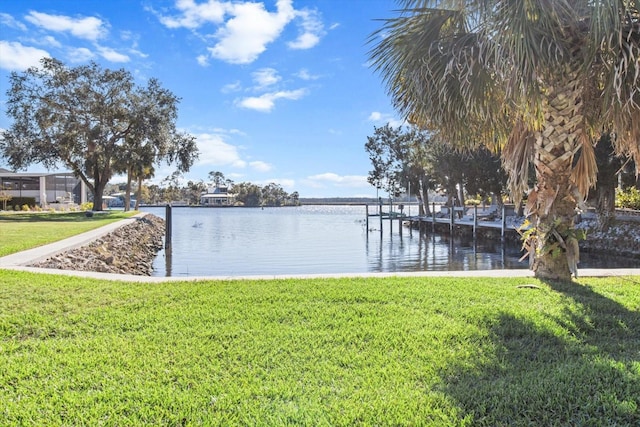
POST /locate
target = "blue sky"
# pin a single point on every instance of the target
(274, 91)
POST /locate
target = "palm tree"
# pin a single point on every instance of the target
(538, 79)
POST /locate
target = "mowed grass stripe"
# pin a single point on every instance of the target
(353, 351)
(22, 231)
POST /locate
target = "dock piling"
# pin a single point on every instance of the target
(167, 226)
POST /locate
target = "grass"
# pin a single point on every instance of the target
(21, 231)
(319, 352)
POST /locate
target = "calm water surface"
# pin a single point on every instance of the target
(320, 240)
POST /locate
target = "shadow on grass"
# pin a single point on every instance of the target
(582, 368)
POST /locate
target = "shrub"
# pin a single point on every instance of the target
(628, 198)
(16, 202)
(26, 207)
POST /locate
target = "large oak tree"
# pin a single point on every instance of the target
(93, 121)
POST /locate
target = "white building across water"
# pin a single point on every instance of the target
(217, 196)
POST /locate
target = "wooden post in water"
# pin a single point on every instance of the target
(380, 213)
(451, 213)
(433, 217)
(366, 207)
(475, 220)
(504, 222)
(390, 216)
(167, 226)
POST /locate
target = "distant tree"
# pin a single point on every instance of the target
(195, 190)
(143, 195)
(171, 188)
(142, 173)
(216, 178)
(273, 195)
(447, 167)
(387, 152)
(398, 156)
(294, 198)
(153, 136)
(153, 194)
(248, 194)
(484, 175)
(83, 117)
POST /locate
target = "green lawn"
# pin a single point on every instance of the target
(20, 231)
(320, 352)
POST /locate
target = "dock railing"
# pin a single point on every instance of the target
(490, 217)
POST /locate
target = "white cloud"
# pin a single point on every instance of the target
(304, 41)
(89, 28)
(231, 87)
(16, 57)
(195, 15)
(311, 30)
(214, 151)
(244, 29)
(203, 60)
(304, 74)
(260, 166)
(51, 41)
(245, 36)
(375, 116)
(10, 21)
(266, 102)
(111, 55)
(335, 180)
(265, 77)
(81, 54)
(379, 117)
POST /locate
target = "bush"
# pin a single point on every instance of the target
(86, 206)
(16, 203)
(628, 198)
(26, 208)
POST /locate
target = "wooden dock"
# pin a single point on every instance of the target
(469, 216)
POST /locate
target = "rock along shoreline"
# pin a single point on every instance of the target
(132, 248)
(129, 249)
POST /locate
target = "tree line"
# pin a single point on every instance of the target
(173, 189)
(408, 159)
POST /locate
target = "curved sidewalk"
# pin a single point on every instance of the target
(20, 261)
(40, 253)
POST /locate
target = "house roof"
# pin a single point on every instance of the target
(8, 174)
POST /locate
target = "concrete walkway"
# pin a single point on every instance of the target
(20, 261)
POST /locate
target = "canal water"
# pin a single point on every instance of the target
(321, 239)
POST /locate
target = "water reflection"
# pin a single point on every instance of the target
(322, 239)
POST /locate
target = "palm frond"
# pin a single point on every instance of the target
(517, 157)
(585, 172)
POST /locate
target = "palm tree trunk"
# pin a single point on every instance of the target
(553, 202)
(139, 192)
(424, 198)
(127, 194)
